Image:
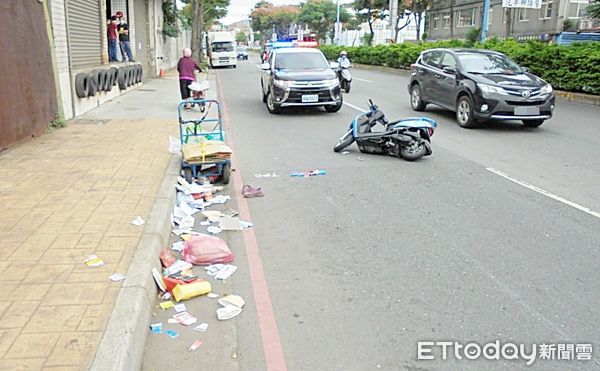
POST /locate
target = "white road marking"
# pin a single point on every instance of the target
(356, 78)
(545, 193)
(356, 108)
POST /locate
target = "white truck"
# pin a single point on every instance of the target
(221, 49)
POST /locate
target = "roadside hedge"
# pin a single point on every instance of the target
(574, 67)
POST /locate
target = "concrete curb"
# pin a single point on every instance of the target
(578, 97)
(563, 95)
(122, 345)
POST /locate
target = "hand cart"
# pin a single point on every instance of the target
(198, 129)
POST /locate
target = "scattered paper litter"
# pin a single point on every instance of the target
(213, 229)
(180, 308)
(177, 267)
(167, 304)
(156, 328)
(201, 327)
(195, 345)
(205, 223)
(93, 261)
(212, 295)
(117, 277)
(308, 173)
(228, 312)
(159, 280)
(234, 300)
(212, 215)
(226, 272)
(178, 246)
(138, 221)
(220, 199)
(172, 334)
(166, 296)
(172, 321)
(185, 318)
(228, 223)
(244, 225)
(187, 222)
(345, 152)
(266, 175)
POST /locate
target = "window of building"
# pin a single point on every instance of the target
(522, 15)
(446, 17)
(490, 15)
(465, 17)
(577, 8)
(546, 10)
(436, 22)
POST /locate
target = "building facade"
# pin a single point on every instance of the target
(453, 19)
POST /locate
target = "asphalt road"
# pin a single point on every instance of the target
(380, 253)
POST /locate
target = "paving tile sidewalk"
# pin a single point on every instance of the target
(64, 196)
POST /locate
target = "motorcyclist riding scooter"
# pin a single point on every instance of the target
(343, 72)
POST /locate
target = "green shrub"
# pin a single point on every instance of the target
(574, 67)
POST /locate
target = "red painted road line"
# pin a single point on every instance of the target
(274, 357)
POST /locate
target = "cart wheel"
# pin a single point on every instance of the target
(226, 170)
(187, 174)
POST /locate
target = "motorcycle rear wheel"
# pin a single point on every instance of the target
(413, 152)
(347, 87)
(344, 142)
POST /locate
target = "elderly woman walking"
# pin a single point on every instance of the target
(186, 67)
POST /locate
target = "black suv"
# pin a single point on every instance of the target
(479, 85)
(299, 77)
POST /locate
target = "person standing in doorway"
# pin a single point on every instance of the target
(186, 67)
(123, 30)
(112, 39)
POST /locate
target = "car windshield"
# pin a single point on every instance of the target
(222, 47)
(300, 61)
(488, 64)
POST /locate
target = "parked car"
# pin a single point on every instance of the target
(242, 53)
(299, 77)
(479, 85)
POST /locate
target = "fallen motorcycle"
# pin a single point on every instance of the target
(408, 138)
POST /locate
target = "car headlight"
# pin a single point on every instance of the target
(331, 82)
(547, 89)
(491, 89)
(284, 84)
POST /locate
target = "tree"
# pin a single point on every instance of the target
(369, 11)
(266, 17)
(241, 37)
(593, 10)
(200, 15)
(320, 16)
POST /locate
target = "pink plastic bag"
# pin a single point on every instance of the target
(203, 249)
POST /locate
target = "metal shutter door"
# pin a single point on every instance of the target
(141, 45)
(85, 32)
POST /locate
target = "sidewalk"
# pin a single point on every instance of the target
(63, 197)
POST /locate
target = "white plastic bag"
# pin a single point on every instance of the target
(174, 145)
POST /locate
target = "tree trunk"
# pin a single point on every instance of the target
(371, 28)
(197, 28)
(419, 18)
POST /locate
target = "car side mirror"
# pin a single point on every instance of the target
(334, 65)
(265, 66)
(449, 70)
(526, 69)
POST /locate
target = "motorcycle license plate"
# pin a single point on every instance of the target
(310, 98)
(527, 111)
